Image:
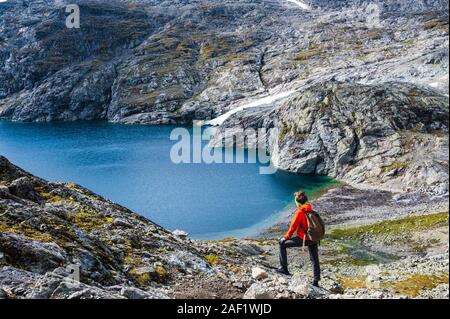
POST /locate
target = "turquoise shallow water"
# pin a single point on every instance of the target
(131, 165)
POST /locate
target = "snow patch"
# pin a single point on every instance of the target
(302, 5)
(268, 101)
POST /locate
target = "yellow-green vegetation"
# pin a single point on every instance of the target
(284, 131)
(48, 196)
(161, 271)
(437, 24)
(411, 286)
(395, 165)
(393, 227)
(88, 219)
(24, 229)
(212, 259)
(7, 104)
(307, 54)
(227, 48)
(415, 283)
(227, 240)
(143, 279)
(71, 185)
(329, 183)
(352, 282)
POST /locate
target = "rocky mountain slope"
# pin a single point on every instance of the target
(363, 89)
(153, 62)
(48, 230)
(46, 227)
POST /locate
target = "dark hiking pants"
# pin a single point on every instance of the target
(313, 253)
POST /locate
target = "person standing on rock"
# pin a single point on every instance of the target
(302, 224)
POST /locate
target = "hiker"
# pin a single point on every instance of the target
(307, 226)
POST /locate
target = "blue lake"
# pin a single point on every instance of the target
(131, 165)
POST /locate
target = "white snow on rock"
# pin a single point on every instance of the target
(268, 101)
(302, 5)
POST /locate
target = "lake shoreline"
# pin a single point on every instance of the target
(345, 206)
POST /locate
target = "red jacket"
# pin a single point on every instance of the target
(299, 222)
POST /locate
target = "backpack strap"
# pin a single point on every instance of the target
(304, 232)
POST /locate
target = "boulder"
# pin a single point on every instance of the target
(145, 271)
(180, 233)
(133, 293)
(258, 273)
(3, 294)
(258, 291)
(32, 255)
(119, 222)
(4, 192)
(300, 286)
(23, 188)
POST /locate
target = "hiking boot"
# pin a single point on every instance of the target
(315, 283)
(283, 270)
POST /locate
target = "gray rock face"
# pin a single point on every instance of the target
(23, 187)
(159, 62)
(392, 136)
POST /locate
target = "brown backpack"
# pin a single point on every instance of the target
(316, 226)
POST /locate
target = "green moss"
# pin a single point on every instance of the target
(71, 185)
(352, 282)
(143, 279)
(392, 227)
(306, 55)
(284, 131)
(212, 259)
(437, 24)
(416, 283)
(7, 104)
(161, 272)
(48, 196)
(88, 219)
(23, 229)
(395, 165)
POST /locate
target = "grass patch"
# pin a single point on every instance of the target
(212, 259)
(352, 282)
(142, 279)
(392, 227)
(23, 229)
(88, 219)
(416, 283)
